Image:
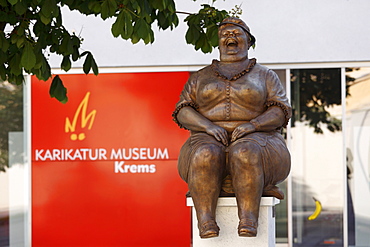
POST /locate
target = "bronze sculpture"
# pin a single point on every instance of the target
(235, 109)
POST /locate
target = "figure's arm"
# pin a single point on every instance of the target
(270, 120)
(277, 114)
(193, 120)
(187, 116)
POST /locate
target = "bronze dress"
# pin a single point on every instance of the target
(229, 102)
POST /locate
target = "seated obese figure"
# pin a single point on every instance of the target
(235, 109)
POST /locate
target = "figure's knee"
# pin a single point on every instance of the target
(279, 173)
(245, 154)
(279, 167)
(207, 155)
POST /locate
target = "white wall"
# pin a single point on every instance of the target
(317, 167)
(287, 31)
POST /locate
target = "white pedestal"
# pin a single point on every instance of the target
(227, 219)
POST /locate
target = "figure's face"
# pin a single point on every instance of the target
(233, 43)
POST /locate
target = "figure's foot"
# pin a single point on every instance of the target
(209, 229)
(247, 228)
(273, 191)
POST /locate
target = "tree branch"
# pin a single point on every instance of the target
(182, 12)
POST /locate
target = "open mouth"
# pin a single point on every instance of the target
(230, 42)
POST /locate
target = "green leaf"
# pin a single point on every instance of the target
(2, 72)
(45, 70)
(49, 8)
(171, 6)
(149, 38)
(44, 19)
(200, 42)
(193, 19)
(66, 2)
(212, 35)
(20, 41)
(206, 48)
(146, 10)
(41, 42)
(57, 90)
(90, 64)
(94, 6)
(66, 47)
(108, 8)
(39, 58)
(66, 63)
(163, 21)
(58, 19)
(15, 64)
(19, 79)
(84, 53)
(97, 8)
(175, 20)
(94, 66)
(53, 48)
(141, 28)
(117, 26)
(10, 18)
(164, 3)
(20, 8)
(3, 57)
(135, 5)
(158, 5)
(189, 36)
(3, 42)
(134, 38)
(75, 54)
(128, 29)
(12, 2)
(87, 64)
(75, 41)
(28, 59)
(14, 39)
(3, 3)
(193, 35)
(39, 28)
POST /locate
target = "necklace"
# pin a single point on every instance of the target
(216, 70)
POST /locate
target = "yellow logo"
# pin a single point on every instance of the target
(84, 119)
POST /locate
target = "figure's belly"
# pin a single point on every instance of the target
(229, 111)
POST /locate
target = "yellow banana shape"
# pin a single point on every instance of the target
(317, 210)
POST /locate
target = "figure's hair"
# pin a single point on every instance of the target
(239, 23)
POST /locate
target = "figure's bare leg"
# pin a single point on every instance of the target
(205, 178)
(248, 180)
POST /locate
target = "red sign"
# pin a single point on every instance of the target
(104, 165)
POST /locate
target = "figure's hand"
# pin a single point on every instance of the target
(219, 133)
(242, 130)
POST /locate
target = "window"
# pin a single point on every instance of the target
(12, 167)
(358, 155)
(316, 149)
